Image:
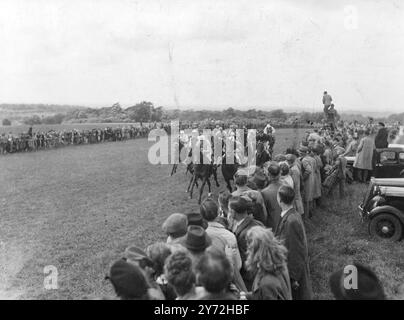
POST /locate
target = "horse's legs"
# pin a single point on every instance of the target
(189, 185)
(174, 170)
(215, 177)
(229, 186)
(192, 187)
(209, 185)
(201, 191)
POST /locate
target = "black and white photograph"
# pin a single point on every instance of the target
(172, 150)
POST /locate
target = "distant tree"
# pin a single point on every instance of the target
(141, 112)
(251, 114)
(55, 119)
(278, 114)
(157, 114)
(33, 120)
(229, 113)
(6, 122)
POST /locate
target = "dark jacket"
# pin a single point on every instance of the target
(270, 286)
(291, 230)
(381, 138)
(270, 199)
(241, 235)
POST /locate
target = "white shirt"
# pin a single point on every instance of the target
(268, 126)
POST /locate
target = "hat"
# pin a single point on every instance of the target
(128, 279)
(196, 219)
(368, 285)
(176, 224)
(137, 255)
(196, 239)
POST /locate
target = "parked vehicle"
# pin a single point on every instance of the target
(389, 162)
(383, 208)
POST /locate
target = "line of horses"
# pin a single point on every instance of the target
(204, 171)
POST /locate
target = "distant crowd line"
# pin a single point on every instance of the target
(35, 141)
(41, 140)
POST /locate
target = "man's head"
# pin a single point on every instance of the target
(274, 171)
(240, 178)
(175, 226)
(128, 280)
(238, 207)
(284, 168)
(286, 196)
(291, 158)
(325, 92)
(209, 209)
(196, 219)
(214, 271)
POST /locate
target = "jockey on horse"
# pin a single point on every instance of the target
(267, 137)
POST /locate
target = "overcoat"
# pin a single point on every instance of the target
(296, 176)
(364, 154)
(308, 167)
(270, 199)
(291, 231)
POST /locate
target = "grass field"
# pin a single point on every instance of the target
(79, 207)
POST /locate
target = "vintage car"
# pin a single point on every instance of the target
(383, 208)
(389, 162)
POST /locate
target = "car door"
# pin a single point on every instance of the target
(401, 164)
(388, 164)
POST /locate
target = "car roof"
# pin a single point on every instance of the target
(393, 182)
(393, 147)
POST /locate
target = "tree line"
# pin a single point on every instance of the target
(145, 111)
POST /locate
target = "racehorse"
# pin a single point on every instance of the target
(228, 172)
(268, 140)
(202, 172)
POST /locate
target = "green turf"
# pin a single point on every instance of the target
(78, 207)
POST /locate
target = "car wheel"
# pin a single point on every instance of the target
(386, 226)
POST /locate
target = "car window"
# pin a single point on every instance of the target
(401, 157)
(387, 157)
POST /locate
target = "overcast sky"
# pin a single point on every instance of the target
(203, 53)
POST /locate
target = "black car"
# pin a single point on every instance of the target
(383, 208)
(389, 162)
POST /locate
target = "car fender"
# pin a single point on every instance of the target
(387, 209)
